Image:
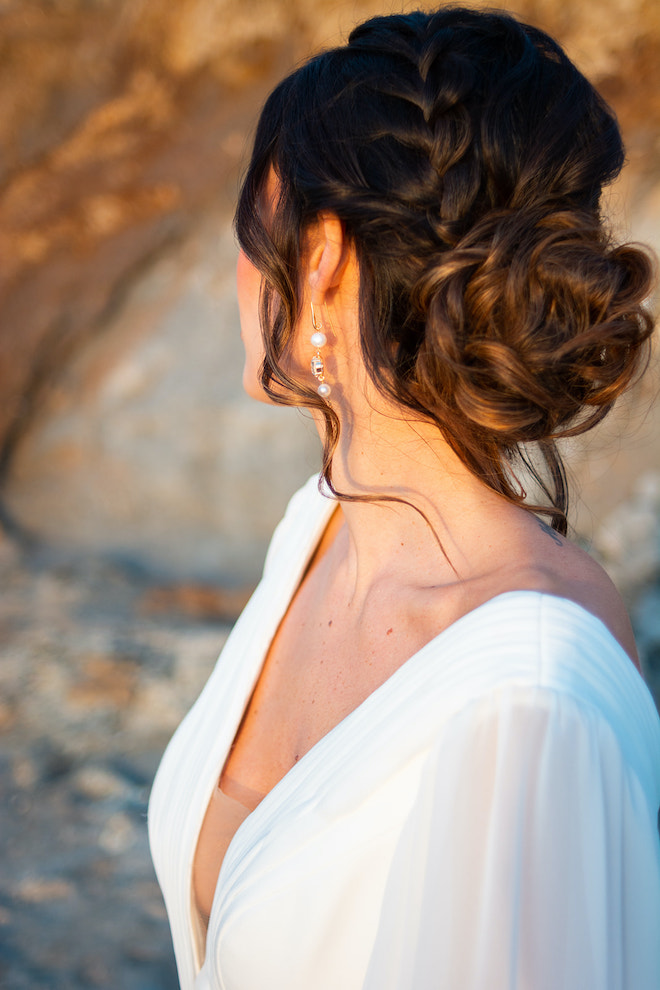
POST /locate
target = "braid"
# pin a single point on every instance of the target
(465, 156)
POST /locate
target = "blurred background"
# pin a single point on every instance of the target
(138, 485)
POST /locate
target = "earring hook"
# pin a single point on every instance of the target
(317, 326)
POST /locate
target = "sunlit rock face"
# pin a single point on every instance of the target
(149, 448)
(123, 426)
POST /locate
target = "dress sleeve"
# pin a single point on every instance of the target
(530, 861)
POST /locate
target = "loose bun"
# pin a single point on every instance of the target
(465, 156)
(533, 325)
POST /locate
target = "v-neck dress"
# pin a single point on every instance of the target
(487, 818)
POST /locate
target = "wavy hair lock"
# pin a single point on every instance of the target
(465, 156)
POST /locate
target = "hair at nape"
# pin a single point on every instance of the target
(465, 156)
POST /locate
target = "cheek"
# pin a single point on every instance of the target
(248, 286)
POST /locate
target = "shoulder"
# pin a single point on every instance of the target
(525, 653)
(536, 558)
(577, 577)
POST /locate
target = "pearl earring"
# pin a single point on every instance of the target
(319, 340)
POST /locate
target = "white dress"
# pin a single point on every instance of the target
(486, 819)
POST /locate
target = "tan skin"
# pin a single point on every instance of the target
(379, 587)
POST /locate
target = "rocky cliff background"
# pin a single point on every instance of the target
(138, 486)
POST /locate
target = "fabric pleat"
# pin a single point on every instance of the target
(487, 818)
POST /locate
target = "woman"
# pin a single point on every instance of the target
(426, 739)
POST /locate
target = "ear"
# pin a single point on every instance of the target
(328, 256)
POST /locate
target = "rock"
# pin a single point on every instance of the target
(646, 622)
(75, 776)
(104, 683)
(25, 773)
(151, 452)
(7, 716)
(123, 428)
(98, 783)
(647, 618)
(118, 834)
(196, 601)
(35, 890)
(628, 541)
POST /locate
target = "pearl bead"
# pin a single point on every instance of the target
(318, 339)
(324, 390)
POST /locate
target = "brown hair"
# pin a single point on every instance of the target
(465, 156)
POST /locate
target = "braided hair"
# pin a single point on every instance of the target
(465, 156)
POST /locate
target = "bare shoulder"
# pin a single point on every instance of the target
(554, 564)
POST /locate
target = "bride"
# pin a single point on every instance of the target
(426, 757)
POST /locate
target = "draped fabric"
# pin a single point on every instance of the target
(487, 818)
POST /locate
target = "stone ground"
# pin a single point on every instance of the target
(97, 668)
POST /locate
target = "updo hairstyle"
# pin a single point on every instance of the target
(465, 156)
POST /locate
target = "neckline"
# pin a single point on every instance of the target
(271, 801)
(300, 560)
(328, 754)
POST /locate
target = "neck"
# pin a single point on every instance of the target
(429, 526)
